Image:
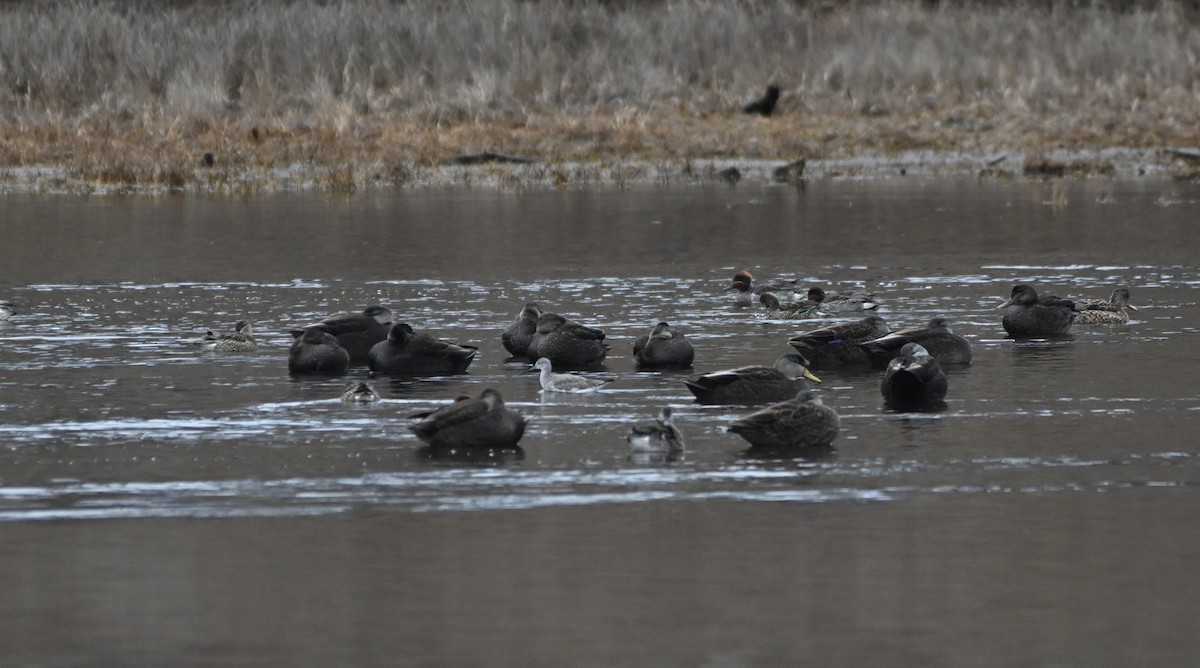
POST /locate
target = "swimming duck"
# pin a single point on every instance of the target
(1026, 314)
(800, 422)
(663, 347)
(753, 384)
(1106, 312)
(483, 423)
(936, 337)
(317, 352)
(838, 344)
(241, 340)
(357, 332)
(406, 352)
(913, 379)
(847, 303)
(7, 310)
(566, 343)
(564, 382)
(791, 310)
(516, 336)
(359, 392)
(744, 289)
(658, 435)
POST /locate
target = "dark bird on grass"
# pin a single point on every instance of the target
(838, 344)
(800, 422)
(914, 379)
(357, 332)
(1026, 314)
(406, 352)
(519, 333)
(483, 423)
(663, 348)
(753, 384)
(936, 337)
(765, 105)
(317, 352)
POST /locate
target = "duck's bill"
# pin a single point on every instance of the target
(809, 375)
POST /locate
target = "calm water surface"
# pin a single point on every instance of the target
(162, 505)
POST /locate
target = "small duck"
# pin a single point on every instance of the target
(847, 303)
(791, 310)
(663, 348)
(241, 340)
(800, 422)
(517, 336)
(7, 310)
(1106, 312)
(317, 352)
(359, 392)
(564, 382)
(914, 379)
(406, 352)
(936, 337)
(656, 436)
(744, 289)
(566, 343)
(357, 332)
(753, 384)
(466, 424)
(1026, 314)
(838, 344)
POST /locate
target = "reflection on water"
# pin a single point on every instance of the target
(1068, 447)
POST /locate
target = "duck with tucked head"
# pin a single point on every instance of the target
(359, 392)
(357, 332)
(663, 348)
(753, 385)
(241, 340)
(1026, 314)
(7, 310)
(800, 422)
(519, 333)
(656, 436)
(1109, 311)
(744, 289)
(566, 343)
(838, 344)
(791, 310)
(847, 303)
(469, 424)
(936, 338)
(317, 352)
(406, 352)
(564, 382)
(914, 379)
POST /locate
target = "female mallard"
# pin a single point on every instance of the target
(839, 344)
(913, 379)
(744, 289)
(1106, 312)
(317, 352)
(663, 348)
(566, 343)
(406, 352)
(657, 436)
(359, 392)
(357, 332)
(519, 333)
(1026, 314)
(753, 384)
(936, 337)
(483, 423)
(789, 311)
(847, 303)
(564, 382)
(241, 340)
(800, 422)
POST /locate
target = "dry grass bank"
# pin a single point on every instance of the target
(354, 93)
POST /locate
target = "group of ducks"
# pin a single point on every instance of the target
(794, 416)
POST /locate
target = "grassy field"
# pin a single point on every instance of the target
(350, 94)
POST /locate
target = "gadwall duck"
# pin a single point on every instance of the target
(317, 352)
(483, 423)
(838, 344)
(1026, 314)
(241, 340)
(663, 348)
(359, 392)
(1109, 311)
(936, 337)
(753, 385)
(656, 436)
(564, 382)
(519, 333)
(406, 352)
(800, 422)
(913, 379)
(567, 343)
(357, 332)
